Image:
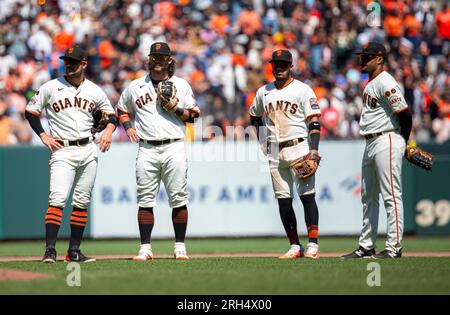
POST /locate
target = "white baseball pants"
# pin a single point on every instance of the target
(167, 162)
(382, 173)
(283, 177)
(73, 167)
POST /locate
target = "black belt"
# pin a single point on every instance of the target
(159, 142)
(289, 143)
(374, 135)
(74, 142)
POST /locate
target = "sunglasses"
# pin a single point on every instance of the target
(159, 58)
(369, 57)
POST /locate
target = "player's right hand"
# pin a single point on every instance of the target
(51, 143)
(131, 133)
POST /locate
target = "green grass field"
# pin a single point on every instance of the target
(217, 276)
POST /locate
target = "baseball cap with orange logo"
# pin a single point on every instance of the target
(75, 53)
(282, 55)
(159, 48)
(373, 48)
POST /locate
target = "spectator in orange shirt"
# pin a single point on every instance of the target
(412, 29)
(320, 91)
(63, 40)
(220, 21)
(165, 10)
(443, 22)
(106, 53)
(249, 21)
(393, 26)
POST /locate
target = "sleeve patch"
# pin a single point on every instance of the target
(394, 100)
(313, 103)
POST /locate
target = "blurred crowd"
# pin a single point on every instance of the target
(222, 49)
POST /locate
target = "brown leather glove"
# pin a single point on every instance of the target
(419, 157)
(306, 166)
(167, 96)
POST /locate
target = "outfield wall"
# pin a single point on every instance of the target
(230, 192)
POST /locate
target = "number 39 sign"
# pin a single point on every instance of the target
(429, 212)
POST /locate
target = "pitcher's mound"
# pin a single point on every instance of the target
(20, 275)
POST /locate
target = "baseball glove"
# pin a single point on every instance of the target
(419, 157)
(306, 166)
(101, 119)
(167, 95)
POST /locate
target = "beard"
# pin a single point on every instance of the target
(282, 75)
(162, 67)
(71, 73)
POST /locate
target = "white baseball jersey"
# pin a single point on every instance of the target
(152, 122)
(286, 109)
(69, 109)
(382, 99)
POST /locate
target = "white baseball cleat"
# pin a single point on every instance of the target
(296, 251)
(145, 253)
(312, 250)
(180, 251)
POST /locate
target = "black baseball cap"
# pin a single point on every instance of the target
(75, 53)
(281, 55)
(373, 48)
(159, 48)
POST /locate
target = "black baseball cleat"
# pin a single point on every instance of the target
(77, 256)
(49, 256)
(360, 253)
(388, 254)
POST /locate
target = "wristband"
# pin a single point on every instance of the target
(127, 125)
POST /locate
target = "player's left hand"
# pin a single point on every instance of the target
(105, 141)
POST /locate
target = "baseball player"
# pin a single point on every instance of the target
(293, 130)
(385, 124)
(161, 104)
(69, 102)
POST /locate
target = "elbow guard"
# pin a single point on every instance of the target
(314, 125)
